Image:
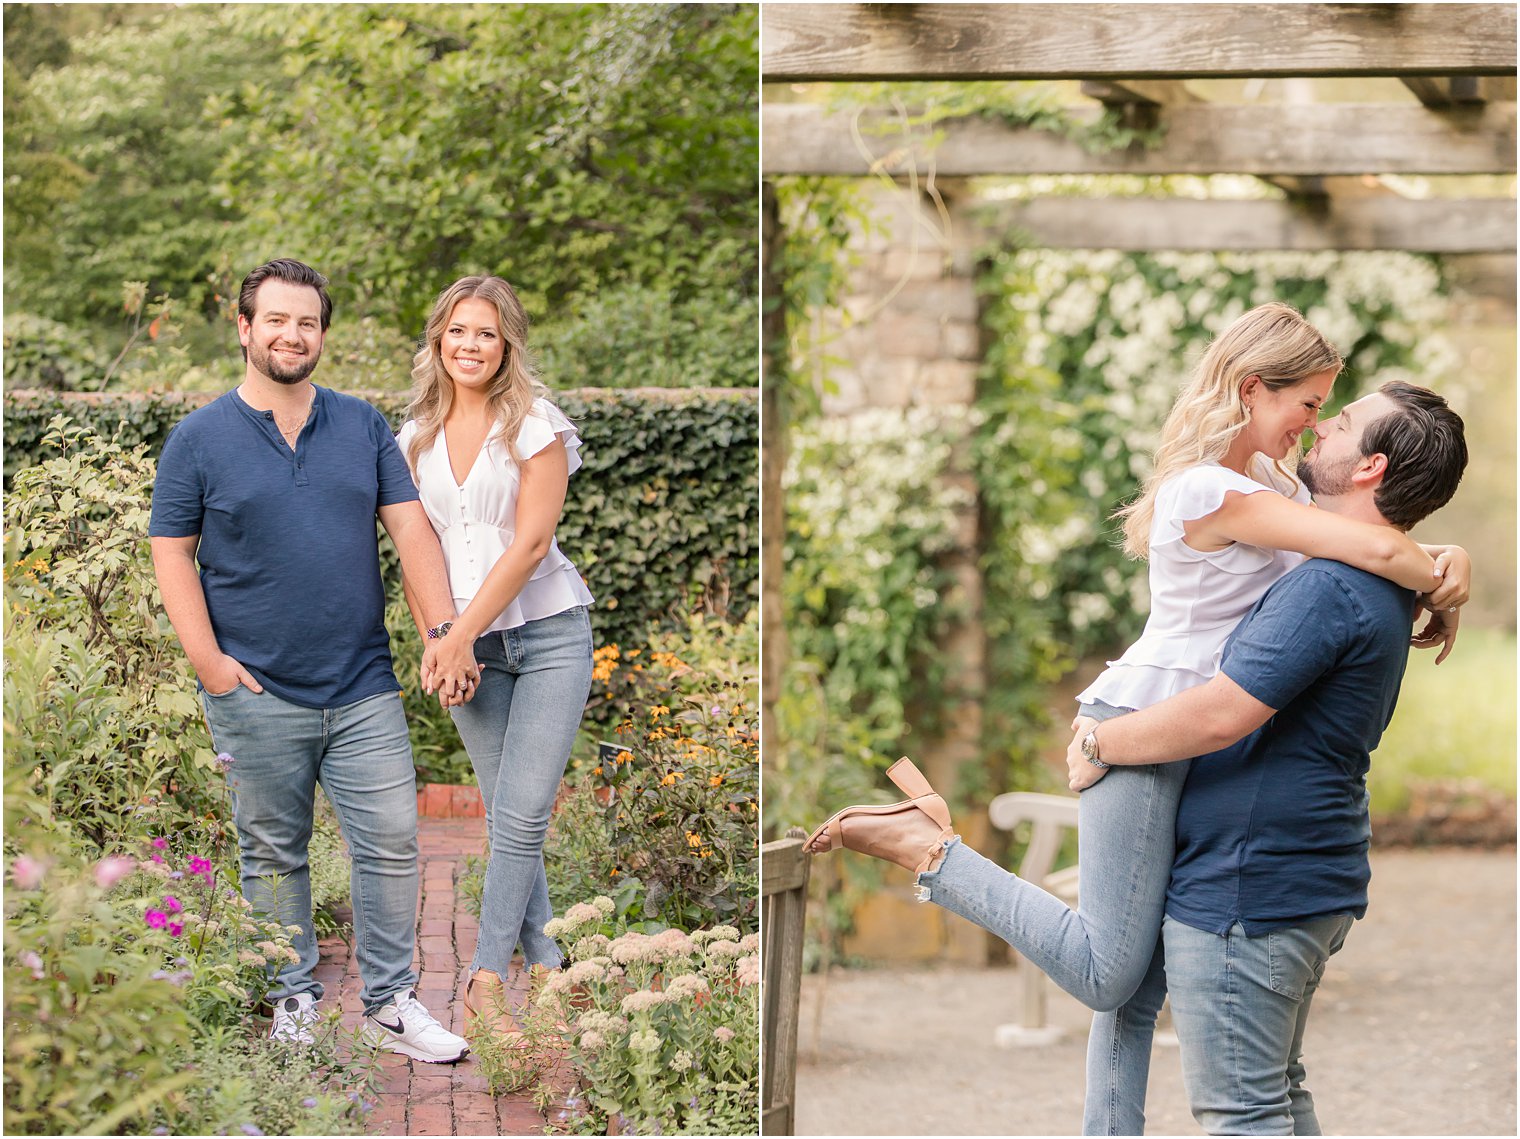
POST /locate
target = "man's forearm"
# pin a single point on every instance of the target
(179, 584)
(423, 572)
(1202, 719)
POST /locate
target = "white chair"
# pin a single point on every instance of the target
(1050, 815)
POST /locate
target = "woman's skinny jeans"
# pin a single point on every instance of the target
(1107, 952)
(519, 730)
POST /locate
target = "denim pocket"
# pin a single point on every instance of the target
(1296, 956)
(233, 691)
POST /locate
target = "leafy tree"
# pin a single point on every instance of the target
(117, 148)
(601, 157)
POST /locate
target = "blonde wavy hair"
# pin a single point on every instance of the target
(1272, 341)
(509, 393)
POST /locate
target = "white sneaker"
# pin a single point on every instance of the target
(294, 1018)
(404, 1025)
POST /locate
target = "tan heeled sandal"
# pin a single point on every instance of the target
(485, 998)
(921, 797)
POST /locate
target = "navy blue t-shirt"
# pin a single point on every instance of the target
(288, 555)
(1273, 830)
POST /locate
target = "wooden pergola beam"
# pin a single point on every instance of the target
(1141, 224)
(854, 42)
(1308, 140)
(1147, 92)
(1442, 93)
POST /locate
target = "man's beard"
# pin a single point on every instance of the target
(1321, 478)
(264, 360)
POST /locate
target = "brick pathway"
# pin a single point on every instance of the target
(435, 1099)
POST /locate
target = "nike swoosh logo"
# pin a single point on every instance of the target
(398, 1028)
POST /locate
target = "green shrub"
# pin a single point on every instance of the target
(867, 593)
(682, 794)
(1425, 745)
(43, 353)
(636, 337)
(93, 1026)
(246, 1086)
(662, 1029)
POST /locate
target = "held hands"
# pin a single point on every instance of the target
(1081, 774)
(449, 668)
(1454, 568)
(1440, 629)
(224, 674)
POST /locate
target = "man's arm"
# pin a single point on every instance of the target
(424, 577)
(1202, 719)
(185, 602)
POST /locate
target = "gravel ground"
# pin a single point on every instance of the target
(1412, 1033)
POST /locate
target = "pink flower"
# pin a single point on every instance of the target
(156, 919)
(34, 963)
(176, 928)
(171, 904)
(160, 844)
(28, 872)
(201, 866)
(112, 869)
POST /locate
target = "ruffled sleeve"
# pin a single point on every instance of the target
(1195, 493)
(404, 439)
(542, 425)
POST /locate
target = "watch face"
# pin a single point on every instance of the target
(1089, 746)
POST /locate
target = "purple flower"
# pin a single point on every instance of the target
(111, 870)
(176, 928)
(28, 872)
(309, 1101)
(171, 904)
(224, 760)
(249, 1129)
(156, 919)
(159, 1131)
(176, 874)
(160, 844)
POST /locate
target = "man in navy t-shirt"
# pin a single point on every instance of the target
(1272, 831)
(263, 533)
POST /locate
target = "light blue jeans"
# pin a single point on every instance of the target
(361, 756)
(1240, 1004)
(1102, 952)
(519, 730)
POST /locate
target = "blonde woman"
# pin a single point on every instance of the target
(492, 457)
(1221, 519)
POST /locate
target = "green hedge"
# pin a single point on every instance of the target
(663, 517)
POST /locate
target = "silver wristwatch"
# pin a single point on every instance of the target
(1090, 748)
(440, 631)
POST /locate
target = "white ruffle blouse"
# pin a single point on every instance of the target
(475, 521)
(1197, 596)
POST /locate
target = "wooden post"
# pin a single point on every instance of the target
(773, 381)
(784, 868)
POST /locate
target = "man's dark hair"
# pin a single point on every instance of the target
(292, 272)
(1426, 450)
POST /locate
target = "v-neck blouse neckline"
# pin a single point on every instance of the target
(485, 443)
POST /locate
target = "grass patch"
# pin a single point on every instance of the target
(1455, 722)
